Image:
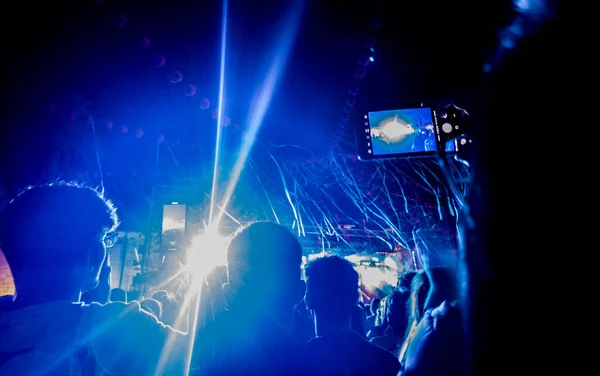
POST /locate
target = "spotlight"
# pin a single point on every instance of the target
(207, 252)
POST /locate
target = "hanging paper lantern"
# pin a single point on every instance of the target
(124, 128)
(175, 76)
(190, 90)
(354, 90)
(143, 43)
(226, 121)
(109, 125)
(160, 138)
(204, 104)
(159, 61)
(139, 133)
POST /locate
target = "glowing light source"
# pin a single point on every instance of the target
(390, 263)
(393, 130)
(376, 277)
(207, 251)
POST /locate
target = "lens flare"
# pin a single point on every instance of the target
(207, 251)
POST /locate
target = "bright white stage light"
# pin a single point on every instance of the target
(376, 277)
(207, 251)
(396, 129)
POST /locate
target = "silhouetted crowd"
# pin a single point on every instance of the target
(55, 237)
(258, 316)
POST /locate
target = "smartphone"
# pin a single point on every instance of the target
(173, 227)
(404, 133)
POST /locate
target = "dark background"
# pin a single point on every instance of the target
(66, 64)
(424, 51)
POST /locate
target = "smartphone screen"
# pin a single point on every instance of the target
(173, 226)
(412, 132)
(406, 132)
(174, 216)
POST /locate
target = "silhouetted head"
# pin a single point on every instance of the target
(118, 295)
(443, 286)
(418, 295)
(540, 85)
(153, 306)
(159, 294)
(54, 238)
(397, 311)
(331, 288)
(406, 280)
(264, 268)
(6, 301)
(170, 308)
(357, 320)
(434, 250)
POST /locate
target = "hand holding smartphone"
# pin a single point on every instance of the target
(409, 132)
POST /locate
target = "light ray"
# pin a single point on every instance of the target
(213, 191)
(257, 114)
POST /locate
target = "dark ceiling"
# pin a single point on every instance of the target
(70, 63)
(424, 51)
